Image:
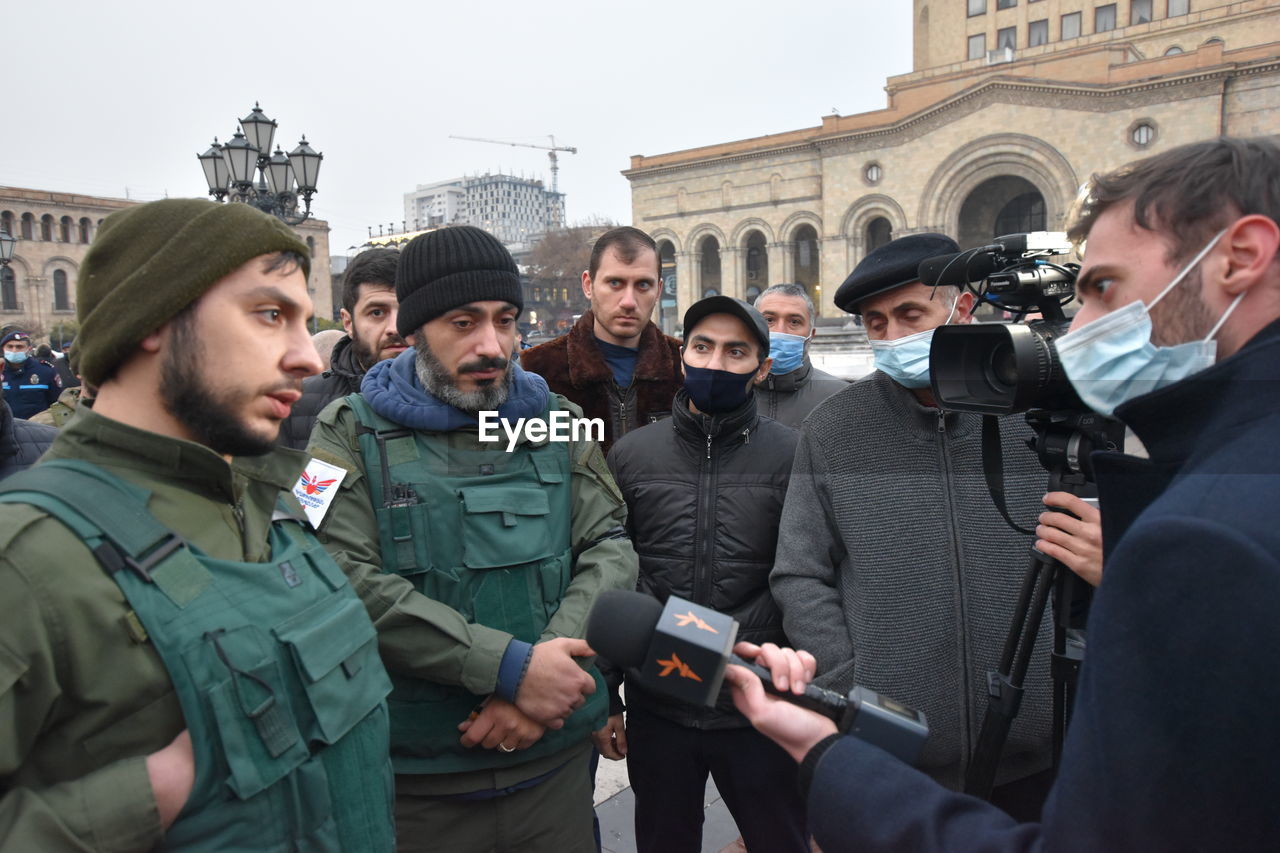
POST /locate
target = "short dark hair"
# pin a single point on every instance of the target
(1190, 192)
(626, 242)
(286, 262)
(372, 266)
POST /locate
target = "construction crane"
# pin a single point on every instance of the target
(550, 149)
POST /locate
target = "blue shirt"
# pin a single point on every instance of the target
(621, 360)
(30, 387)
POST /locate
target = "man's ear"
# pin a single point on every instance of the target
(1249, 249)
(347, 320)
(762, 372)
(154, 342)
(586, 284)
(964, 307)
(411, 339)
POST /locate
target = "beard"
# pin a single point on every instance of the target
(1182, 315)
(368, 354)
(208, 413)
(436, 378)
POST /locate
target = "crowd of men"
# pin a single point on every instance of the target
(266, 600)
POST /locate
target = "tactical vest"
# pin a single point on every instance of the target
(487, 533)
(275, 665)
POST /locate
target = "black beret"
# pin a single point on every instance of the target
(753, 319)
(892, 265)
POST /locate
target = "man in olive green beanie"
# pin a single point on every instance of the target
(149, 262)
(178, 656)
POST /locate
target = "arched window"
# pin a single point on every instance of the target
(64, 229)
(61, 300)
(28, 226)
(311, 246)
(709, 261)
(805, 240)
(879, 232)
(6, 223)
(46, 228)
(8, 290)
(84, 229)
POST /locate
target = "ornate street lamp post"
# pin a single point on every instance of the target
(281, 180)
(7, 242)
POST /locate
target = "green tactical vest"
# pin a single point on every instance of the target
(487, 533)
(275, 665)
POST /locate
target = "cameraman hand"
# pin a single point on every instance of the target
(1076, 542)
(555, 686)
(611, 740)
(793, 728)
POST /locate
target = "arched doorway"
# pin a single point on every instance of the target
(667, 309)
(879, 232)
(709, 266)
(757, 263)
(805, 257)
(1002, 205)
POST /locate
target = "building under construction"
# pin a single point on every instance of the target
(516, 210)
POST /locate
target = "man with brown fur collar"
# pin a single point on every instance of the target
(615, 363)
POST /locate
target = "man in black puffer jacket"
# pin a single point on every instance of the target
(21, 442)
(369, 317)
(704, 495)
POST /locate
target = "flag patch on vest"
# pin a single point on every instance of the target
(316, 489)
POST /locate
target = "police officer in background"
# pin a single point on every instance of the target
(30, 385)
(181, 664)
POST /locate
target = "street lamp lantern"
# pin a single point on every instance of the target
(215, 169)
(258, 129)
(7, 242)
(306, 165)
(241, 158)
(244, 170)
(280, 173)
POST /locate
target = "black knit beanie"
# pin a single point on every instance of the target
(150, 261)
(453, 266)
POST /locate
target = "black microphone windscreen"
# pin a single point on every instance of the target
(956, 270)
(620, 626)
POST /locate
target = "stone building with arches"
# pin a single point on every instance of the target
(1010, 107)
(54, 231)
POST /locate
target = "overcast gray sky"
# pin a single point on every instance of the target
(103, 96)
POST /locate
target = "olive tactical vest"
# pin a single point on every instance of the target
(487, 533)
(275, 665)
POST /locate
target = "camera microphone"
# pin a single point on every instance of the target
(958, 269)
(682, 649)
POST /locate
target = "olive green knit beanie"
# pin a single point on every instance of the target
(149, 262)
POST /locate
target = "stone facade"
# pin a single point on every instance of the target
(54, 231)
(971, 148)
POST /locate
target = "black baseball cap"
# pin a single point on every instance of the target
(752, 318)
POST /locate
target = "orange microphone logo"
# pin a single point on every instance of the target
(674, 664)
(690, 618)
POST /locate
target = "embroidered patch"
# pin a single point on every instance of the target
(290, 574)
(316, 489)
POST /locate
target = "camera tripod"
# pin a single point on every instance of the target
(1063, 443)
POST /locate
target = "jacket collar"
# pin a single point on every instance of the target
(343, 361)
(89, 435)
(587, 365)
(725, 428)
(907, 409)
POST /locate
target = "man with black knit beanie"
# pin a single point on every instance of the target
(477, 560)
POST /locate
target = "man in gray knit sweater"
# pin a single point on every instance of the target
(893, 566)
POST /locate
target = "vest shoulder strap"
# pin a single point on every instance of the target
(107, 513)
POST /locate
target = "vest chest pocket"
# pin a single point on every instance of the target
(505, 526)
(334, 648)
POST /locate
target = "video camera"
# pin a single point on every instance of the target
(1000, 369)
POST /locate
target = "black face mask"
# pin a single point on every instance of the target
(715, 392)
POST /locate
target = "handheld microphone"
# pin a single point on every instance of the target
(682, 649)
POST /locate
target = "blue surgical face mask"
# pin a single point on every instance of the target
(787, 352)
(1112, 360)
(715, 392)
(15, 357)
(906, 360)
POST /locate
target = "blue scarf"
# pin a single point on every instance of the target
(392, 389)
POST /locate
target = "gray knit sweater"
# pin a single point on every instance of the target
(897, 572)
